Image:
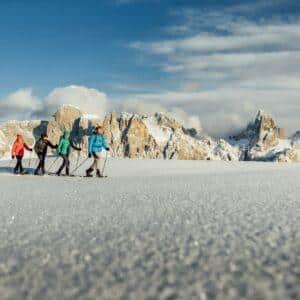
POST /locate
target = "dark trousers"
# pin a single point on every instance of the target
(19, 166)
(65, 164)
(41, 165)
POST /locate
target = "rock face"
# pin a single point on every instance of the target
(30, 130)
(129, 135)
(158, 137)
(266, 135)
(66, 117)
(264, 141)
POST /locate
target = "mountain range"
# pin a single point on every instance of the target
(159, 137)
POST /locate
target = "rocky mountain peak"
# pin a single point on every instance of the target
(156, 136)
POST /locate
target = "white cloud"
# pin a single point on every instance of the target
(87, 99)
(224, 110)
(228, 66)
(19, 104)
(239, 36)
(149, 104)
(219, 111)
(23, 104)
(188, 120)
(223, 66)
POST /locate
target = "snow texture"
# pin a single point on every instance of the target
(152, 230)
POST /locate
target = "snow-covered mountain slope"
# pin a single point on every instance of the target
(264, 141)
(157, 136)
(159, 229)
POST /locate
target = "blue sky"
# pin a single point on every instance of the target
(45, 44)
(205, 62)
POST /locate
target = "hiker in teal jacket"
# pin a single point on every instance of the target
(97, 143)
(63, 150)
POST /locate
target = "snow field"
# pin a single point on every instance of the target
(153, 230)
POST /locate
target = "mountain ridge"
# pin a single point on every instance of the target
(158, 136)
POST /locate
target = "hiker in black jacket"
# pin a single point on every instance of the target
(41, 147)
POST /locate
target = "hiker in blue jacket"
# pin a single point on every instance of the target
(97, 143)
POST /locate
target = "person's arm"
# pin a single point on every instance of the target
(51, 145)
(59, 146)
(73, 146)
(105, 143)
(91, 143)
(27, 147)
(13, 150)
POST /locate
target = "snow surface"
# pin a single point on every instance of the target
(152, 230)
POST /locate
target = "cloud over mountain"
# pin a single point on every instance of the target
(23, 103)
(234, 60)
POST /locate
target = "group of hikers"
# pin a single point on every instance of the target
(97, 143)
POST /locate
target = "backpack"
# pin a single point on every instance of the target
(39, 146)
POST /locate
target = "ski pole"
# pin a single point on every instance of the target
(81, 164)
(104, 164)
(53, 164)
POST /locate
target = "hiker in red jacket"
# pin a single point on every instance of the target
(18, 152)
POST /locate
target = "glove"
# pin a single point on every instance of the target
(12, 157)
(107, 149)
(90, 155)
(79, 149)
(30, 150)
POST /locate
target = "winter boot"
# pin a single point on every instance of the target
(89, 172)
(98, 174)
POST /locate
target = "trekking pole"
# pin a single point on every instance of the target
(104, 164)
(53, 163)
(77, 162)
(78, 157)
(29, 163)
(10, 164)
(81, 164)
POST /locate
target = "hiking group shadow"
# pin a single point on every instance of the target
(10, 170)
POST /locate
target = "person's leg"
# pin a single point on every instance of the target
(20, 165)
(95, 163)
(98, 166)
(17, 167)
(39, 165)
(62, 165)
(91, 168)
(67, 163)
(43, 164)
